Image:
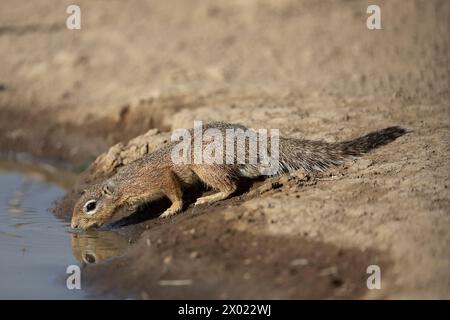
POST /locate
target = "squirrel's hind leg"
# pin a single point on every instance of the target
(219, 177)
(222, 195)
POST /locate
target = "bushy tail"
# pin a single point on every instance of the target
(371, 141)
(313, 156)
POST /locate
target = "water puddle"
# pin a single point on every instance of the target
(35, 247)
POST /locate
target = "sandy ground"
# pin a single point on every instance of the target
(311, 69)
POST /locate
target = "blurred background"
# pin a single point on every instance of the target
(138, 49)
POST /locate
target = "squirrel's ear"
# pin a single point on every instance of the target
(108, 188)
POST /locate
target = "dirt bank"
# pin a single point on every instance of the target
(311, 69)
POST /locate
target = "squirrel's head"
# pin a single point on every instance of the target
(95, 207)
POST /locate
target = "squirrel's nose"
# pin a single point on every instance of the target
(73, 224)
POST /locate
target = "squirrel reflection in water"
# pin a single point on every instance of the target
(94, 247)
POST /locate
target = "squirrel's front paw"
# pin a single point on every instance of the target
(168, 213)
(174, 209)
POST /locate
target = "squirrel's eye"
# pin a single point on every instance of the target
(90, 206)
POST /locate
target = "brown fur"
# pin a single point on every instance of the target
(156, 175)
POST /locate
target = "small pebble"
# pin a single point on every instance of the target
(299, 262)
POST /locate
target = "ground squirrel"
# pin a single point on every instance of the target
(156, 175)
